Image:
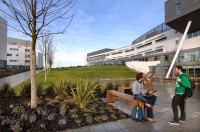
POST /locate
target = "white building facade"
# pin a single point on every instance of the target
(3, 43)
(156, 45)
(18, 55)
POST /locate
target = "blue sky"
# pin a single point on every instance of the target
(102, 24)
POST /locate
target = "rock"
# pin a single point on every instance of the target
(16, 128)
(43, 126)
(51, 117)
(32, 118)
(24, 116)
(62, 112)
(62, 122)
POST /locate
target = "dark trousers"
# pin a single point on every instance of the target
(178, 100)
(151, 100)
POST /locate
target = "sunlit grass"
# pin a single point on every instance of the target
(88, 72)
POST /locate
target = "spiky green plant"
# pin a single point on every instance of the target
(6, 90)
(26, 89)
(84, 93)
(59, 88)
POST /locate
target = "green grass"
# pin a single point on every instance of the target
(90, 72)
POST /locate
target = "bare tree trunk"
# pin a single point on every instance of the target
(45, 76)
(33, 81)
(33, 60)
(45, 63)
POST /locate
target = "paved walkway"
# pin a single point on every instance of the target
(162, 112)
(17, 79)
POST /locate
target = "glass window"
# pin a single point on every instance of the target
(178, 8)
(176, 41)
(195, 34)
(191, 56)
(160, 40)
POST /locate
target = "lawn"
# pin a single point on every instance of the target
(90, 72)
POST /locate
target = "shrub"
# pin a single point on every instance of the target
(84, 93)
(104, 87)
(6, 91)
(49, 90)
(26, 89)
(40, 89)
(59, 88)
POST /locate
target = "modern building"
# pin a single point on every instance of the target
(18, 55)
(179, 12)
(155, 49)
(3, 43)
(157, 45)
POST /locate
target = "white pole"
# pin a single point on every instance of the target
(179, 48)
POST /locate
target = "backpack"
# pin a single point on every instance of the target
(189, 91)
(137, 114)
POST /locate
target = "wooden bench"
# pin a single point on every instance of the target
(111, 94)
(122, 89)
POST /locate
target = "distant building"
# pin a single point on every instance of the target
(3, 43)
(39, 60)
(158, 46)
(18, 55)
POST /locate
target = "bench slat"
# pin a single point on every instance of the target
(122, 95)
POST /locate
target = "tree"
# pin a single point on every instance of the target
(51, 52)
(48, 48)
(32, 16)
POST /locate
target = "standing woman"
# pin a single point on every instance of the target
(139, 92)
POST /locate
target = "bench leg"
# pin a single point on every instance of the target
(141, 104)
(110, 97)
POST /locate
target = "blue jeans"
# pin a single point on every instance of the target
(150, 100)
(141, 98)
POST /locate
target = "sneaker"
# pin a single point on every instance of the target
(181, 120)
(173, 123)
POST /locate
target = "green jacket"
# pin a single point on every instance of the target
(184, 83)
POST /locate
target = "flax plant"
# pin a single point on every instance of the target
(84, 92)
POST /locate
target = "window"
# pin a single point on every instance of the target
(189, 35)
(27, 61)
(195, 34)
(13, 60)
(178, 8)
(14, 49)
(145, 45)
(27, 56)
(160, 40)
(27, 50)
(9, 54)
(177, 42)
